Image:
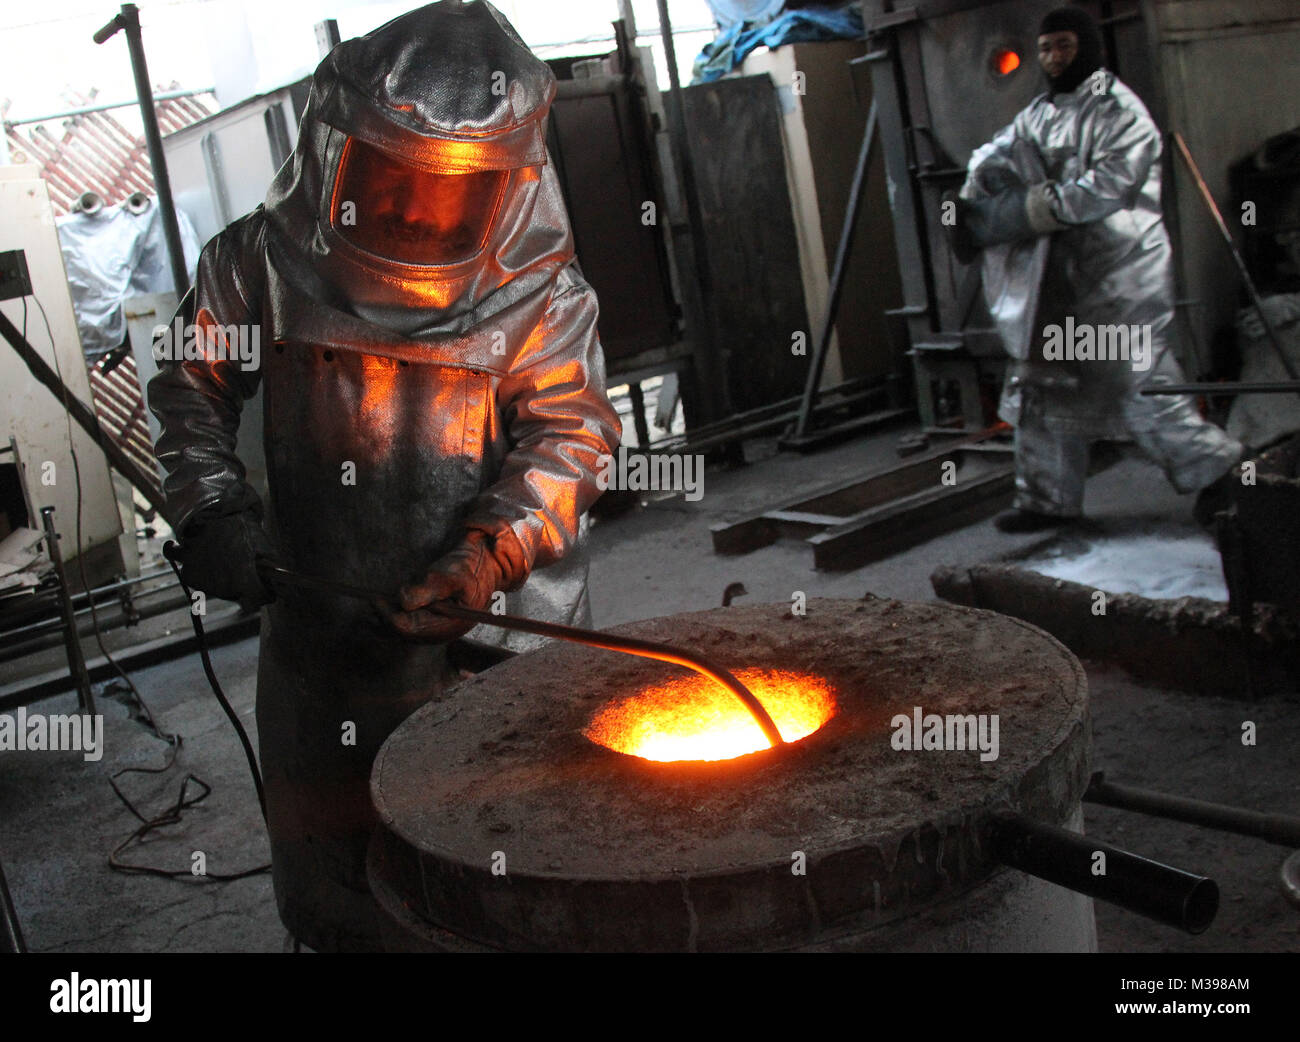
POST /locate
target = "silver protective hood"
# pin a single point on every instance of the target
(451, 89)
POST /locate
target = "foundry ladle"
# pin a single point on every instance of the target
(609, 642)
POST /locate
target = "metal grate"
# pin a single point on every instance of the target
(119, 404)
(96, 152)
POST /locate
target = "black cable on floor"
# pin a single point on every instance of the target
(169, 551)
(135, 700)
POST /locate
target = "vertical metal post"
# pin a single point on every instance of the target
(627, 14)
(11, 934)
(71, 639)
(129, 19)
(327, 35)
(693, 261)
(637, 397)
(851, 211)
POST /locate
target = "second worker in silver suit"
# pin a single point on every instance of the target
(1065, 204)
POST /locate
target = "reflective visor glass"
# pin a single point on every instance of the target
(406, 214)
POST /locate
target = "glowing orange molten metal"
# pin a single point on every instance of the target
(693, 718)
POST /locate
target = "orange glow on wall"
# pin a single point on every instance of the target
(1006, 62)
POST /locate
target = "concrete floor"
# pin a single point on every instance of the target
(59, 818)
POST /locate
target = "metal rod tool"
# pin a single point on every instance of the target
(591, 638)
(1282, 829)
(1242, 270)
(1225, 389)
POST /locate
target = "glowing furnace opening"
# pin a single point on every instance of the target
(693, 718)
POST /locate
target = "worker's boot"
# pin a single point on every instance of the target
(1220, 494)
(1014, 521)
(1216, 497)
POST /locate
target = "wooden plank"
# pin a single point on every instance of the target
(915, 475)
(966, 471)
(834, 104)
(900, 526)
(847, 502)
(597, 148)
(758, 530)
(821, 437)
(753, 281)
(795, 517)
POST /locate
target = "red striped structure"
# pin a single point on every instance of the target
(96, 152)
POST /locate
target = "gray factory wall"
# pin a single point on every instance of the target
(1230, 73)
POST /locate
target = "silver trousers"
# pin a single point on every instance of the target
(1051, 467)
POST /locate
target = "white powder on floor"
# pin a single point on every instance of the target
(1150, 565)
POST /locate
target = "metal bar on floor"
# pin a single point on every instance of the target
(1282, 829)
(1227, 388)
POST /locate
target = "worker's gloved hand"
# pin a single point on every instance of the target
(1281, 309)
(219, 555)
(1013, 214)
(468, 575)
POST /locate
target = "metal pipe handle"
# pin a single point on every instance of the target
(1282, 829)
(108, 31)
(1160, 892)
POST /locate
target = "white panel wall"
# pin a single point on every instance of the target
(28, 411)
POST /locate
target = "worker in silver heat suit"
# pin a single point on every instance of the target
(435, 414)
(1065, 204)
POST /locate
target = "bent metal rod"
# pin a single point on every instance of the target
(608, 642)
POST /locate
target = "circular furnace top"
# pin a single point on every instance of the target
(502, 823)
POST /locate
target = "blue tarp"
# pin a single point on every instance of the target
(735, 42)
(727, 12)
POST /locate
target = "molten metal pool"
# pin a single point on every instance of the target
(694, 718)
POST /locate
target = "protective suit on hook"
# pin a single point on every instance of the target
(435, 414)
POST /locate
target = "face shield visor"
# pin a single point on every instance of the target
(411, 215)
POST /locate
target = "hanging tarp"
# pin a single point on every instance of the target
(729, 12)
(778, 25)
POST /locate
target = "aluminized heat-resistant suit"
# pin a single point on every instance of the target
(1095, 153)
(415, 389)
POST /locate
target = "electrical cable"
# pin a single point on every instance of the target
(169, 551)
(136, 704)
